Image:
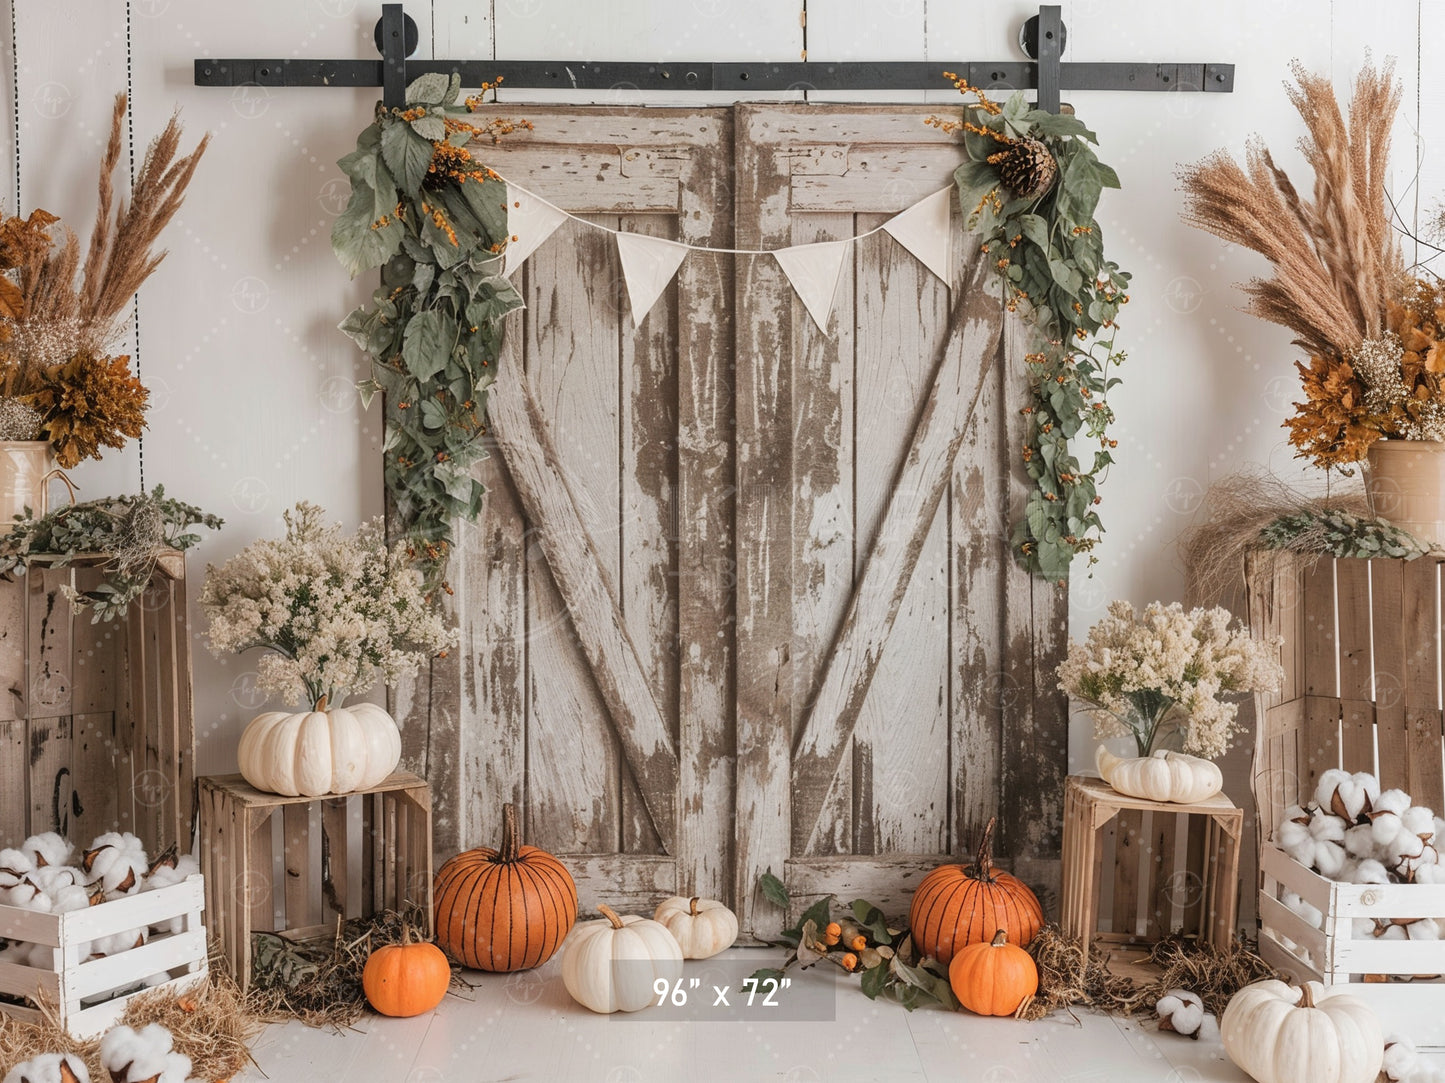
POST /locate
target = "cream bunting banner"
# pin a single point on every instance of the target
(648, 264)
(530, 221)
(924, 230)
(814, 270)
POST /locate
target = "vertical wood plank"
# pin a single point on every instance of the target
(1128, 856)
(98, 785)
(706, 551)
(647, 472)
(48, 684)
(295, 824)
(1163, 875)
(1196, 858)
(260, 897)
(902, 320)
(185, 712)
(14, 803)
(1421, 635)
(334, 869)
(14, 638)
(136, 731)
(1387, 579)
(572, 365)
(765, 717)
(826, 529)
(978, 541)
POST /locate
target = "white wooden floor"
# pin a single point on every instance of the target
(526, 1027)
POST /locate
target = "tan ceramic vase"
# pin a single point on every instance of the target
(26, 469)
(1405, 481)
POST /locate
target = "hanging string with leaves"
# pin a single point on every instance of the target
(1029, 189)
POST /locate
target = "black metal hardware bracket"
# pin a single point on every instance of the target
(396, 37)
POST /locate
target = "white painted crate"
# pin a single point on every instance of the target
(85, 991)
(1403, 980)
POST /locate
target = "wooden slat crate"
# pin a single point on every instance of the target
(1166, 877)
(1361, 655)
(96, 730)
(89, 995)
(330, 858)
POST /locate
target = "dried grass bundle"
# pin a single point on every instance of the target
(1069, 977)
(1235, 510)
(210, 1024)
(1336, 260)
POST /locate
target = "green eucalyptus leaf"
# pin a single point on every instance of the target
(406, 155)
(426, 343)
(432, 128)
(428, 89)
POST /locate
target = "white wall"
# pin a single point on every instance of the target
(252, 407)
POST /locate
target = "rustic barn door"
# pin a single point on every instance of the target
(888, 702)
(595, 592)
(739, 598)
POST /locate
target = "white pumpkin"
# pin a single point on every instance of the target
(702, 927)
(610, 965)
(1281, 1033)
(321, 751)
(1164, 776)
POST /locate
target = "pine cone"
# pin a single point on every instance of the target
(1027, 169)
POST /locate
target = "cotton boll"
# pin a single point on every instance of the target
(1362, 929)
(29, 897)
(1409, 868)
(168, 875)
(117, 861)
(14, 867)
(1420, 821)
(1309, 913)
(48, 848)
(1346, 795)
(1401, 1057)
(119, 942)
(1180, 1011)
(1370, 872)
(1385, 818)
(50, 1068)
(1360, 840)
(129, 1055)
(51, 879)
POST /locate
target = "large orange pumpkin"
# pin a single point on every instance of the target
(993, 977)
(505, 909)
(958, 905)
(406, 979)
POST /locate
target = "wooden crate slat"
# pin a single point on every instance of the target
(1387, 581)
(1128, 852)
(295, 823)
(1319, 652)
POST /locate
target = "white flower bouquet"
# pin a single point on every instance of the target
(1143, 675)
(332, 612)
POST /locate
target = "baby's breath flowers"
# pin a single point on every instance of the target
(332, 613)
(1142, 674)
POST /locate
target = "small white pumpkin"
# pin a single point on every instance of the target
(311, 753)
(1164, 776)
(702, 927)
(1281, 1033)
(610, 965)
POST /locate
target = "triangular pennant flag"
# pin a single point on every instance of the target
(924, 230)
(530, 221)
(648, 264)
(814, 270)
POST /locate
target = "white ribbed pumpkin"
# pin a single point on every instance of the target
(1164, 776)
(610, 965)
(702, 927)
(1281, 1033)
(311, 753)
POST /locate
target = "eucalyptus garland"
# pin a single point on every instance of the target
(435, 221)
(1029, 189)
(128, 530)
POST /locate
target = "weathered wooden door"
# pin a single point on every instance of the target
(739, 598)
(893, 682)
(595, 592)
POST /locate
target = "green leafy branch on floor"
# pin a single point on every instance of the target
(858, 940)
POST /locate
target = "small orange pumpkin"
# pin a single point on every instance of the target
(958, 905)
(406, 979)
(505, 909)
(993, 978)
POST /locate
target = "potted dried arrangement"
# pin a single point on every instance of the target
(1374, 329)
(332, 614)
(1159, 677)
(64, 394)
